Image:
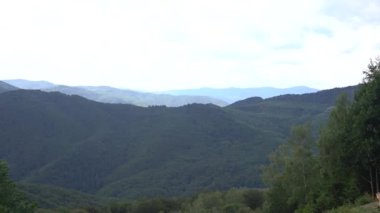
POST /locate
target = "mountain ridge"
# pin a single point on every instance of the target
(173, 98)
(108, 94)
(124, 150)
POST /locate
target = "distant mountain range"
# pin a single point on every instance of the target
(219, 97)
(231, 95)
(127, 151)
(113, 95)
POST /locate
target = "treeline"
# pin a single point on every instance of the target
(13, 200)
(340, 167)
(234, 200)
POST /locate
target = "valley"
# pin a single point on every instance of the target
(122, 150)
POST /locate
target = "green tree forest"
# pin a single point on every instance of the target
(334, 169)
(342, 166)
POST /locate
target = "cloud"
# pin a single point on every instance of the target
(159, 45)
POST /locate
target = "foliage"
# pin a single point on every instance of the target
(350, 147)
(231, 201)
(348, 160)
(46, 196)
(364, 199)
(338, 184)
(291, 173)
(348, 208)
(366, 130)
(253, 199)
(129, 151)
(11, 199)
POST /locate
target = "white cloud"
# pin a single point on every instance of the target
(158, 45)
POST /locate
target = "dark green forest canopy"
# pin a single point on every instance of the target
(130, 151)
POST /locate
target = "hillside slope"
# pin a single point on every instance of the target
(129, 151)
(68, 141)
(280, 113)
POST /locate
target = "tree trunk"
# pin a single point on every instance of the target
(377, 181)
(371, 182)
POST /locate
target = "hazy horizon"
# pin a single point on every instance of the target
(158, 91)
(172, 45)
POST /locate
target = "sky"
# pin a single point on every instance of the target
(156, 45)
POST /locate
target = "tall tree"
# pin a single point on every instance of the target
(350, 144)
(337, 181)
(291, 173)
(366, 128)
(349, 156)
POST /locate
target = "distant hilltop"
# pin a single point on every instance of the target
(172, 98)
(231, 95)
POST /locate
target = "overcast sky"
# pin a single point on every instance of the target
(162, 44)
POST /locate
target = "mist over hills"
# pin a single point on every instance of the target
(129, 151)
(114, 95)
(4, 87)
(25, 84)
(231, 95)
(105, 94)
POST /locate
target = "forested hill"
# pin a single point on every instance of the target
(325, 97)
(280, 113)
(125, 150)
